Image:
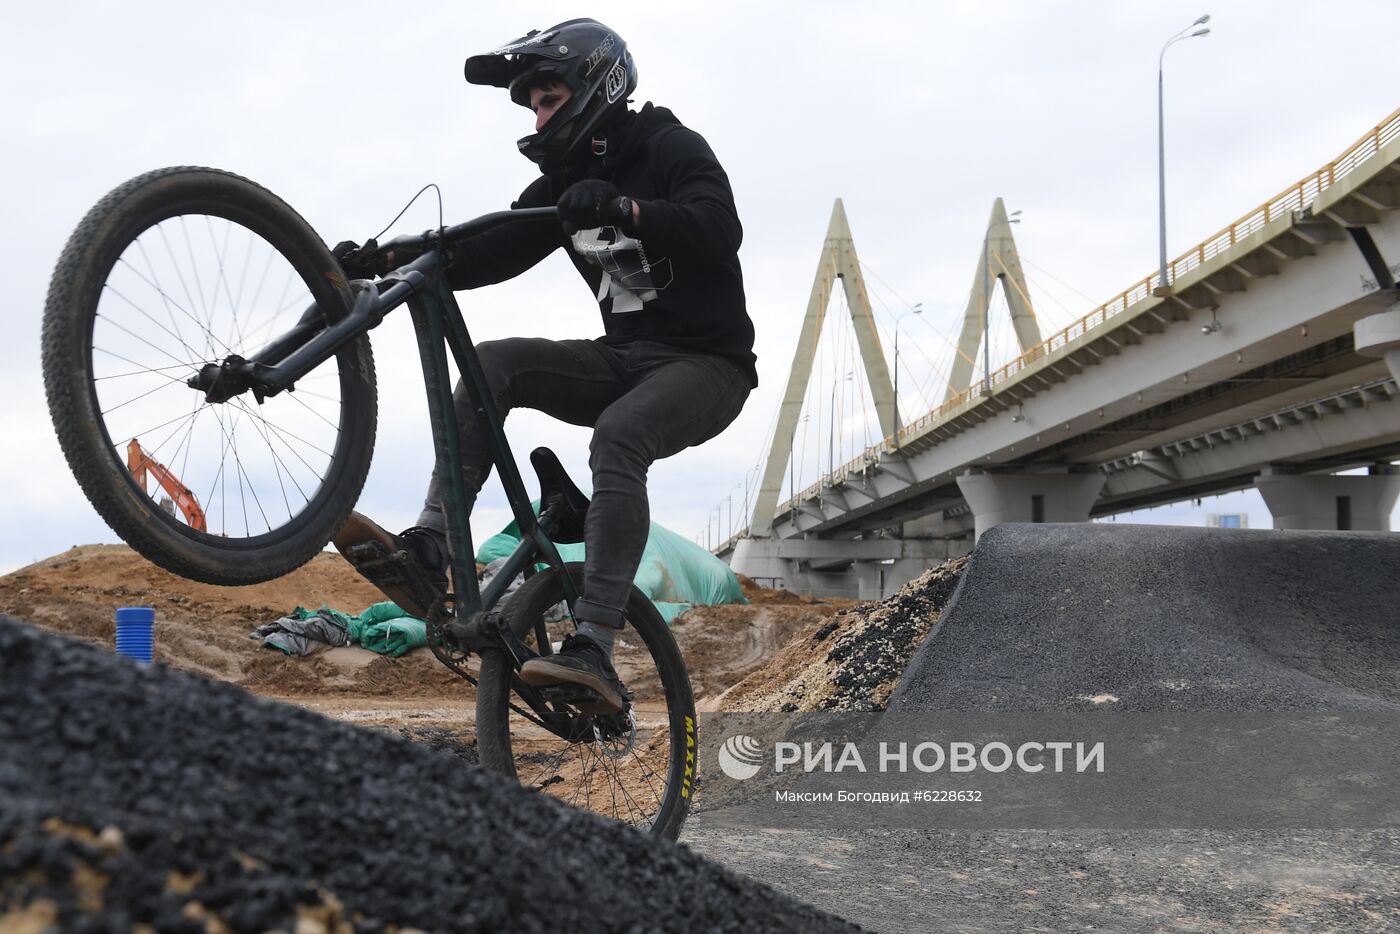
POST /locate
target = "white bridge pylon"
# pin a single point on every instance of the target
(999, 262)
(838, 261)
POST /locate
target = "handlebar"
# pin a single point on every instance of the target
(428, 239)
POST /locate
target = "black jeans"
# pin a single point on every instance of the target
(644, 401)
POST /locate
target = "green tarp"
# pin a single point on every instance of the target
(674, 572)
(383, 628)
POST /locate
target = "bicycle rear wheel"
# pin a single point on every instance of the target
(176, 269)
(637, 767)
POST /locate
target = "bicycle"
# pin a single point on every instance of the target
(184, 291)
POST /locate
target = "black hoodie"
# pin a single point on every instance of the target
(676, 278)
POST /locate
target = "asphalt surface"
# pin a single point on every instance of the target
(134, 794)
(1059, 618)
(1166, 618)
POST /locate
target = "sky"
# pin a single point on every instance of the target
(916, 115)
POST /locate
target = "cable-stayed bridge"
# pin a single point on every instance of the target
(1262, 361)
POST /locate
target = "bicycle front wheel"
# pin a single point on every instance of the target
(637, 767)
(172, 271)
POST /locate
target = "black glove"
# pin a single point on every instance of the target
(590, 203)
(360, 262)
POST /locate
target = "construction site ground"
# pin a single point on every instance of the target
(1041, 618)
(205, 629)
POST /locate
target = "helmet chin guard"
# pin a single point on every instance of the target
(585, 56)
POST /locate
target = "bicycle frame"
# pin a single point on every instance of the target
(440, 328)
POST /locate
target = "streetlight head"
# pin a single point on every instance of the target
(1201, 32)
(1202, 21)
(1015, 213)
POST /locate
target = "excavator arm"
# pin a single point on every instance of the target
(143, 465)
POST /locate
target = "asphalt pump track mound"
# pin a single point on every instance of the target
(1051, 618)
(137, 797)
(1164, 618)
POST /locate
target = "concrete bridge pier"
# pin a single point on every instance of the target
(855, 569)
(1379, 336)
(1330, 503)
(1058, 496)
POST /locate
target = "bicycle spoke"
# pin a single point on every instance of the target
(161, 292)
(112, 321)
(308, 408)
(187, 423)
(136, 436)
(262, 281)
(276, 461)
(633, 806)
(316, 395)
(138, 398)
(198, 282)
(165, 300)
(282, 436)
(220, 250)
(160, 370)
(218, 476)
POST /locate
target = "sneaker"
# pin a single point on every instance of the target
(581, 663)
(409, 568)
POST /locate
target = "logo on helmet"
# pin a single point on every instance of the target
(532, 37)
(603, 49)
(617, 80)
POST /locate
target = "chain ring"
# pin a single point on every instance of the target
(447, 653)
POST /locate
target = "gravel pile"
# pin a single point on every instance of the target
(137, 798)
(854, 660)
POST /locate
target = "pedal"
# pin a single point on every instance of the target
(582, 699)
(371, 560)
(572, 694)
(396, 576)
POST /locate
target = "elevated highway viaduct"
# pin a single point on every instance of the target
(1245, 371)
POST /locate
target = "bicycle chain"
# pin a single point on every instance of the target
(447, 652)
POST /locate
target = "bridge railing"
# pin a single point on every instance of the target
(1293, 198)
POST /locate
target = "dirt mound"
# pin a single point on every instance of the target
(759, 595)
(204, 628)
(852, 661)
(723, 645)
(141, 798)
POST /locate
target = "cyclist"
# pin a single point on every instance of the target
(648, 220)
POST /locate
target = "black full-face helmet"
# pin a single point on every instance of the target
(583, 54)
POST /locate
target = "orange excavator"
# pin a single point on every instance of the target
(140, 464)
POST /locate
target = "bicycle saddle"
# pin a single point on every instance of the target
(558, 494)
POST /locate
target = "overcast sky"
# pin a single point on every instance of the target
(917, 115)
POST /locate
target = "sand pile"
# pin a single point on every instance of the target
(204, 628)
(723, 645)
(852, 661)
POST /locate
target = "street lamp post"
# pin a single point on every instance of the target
(1163, 286)
(831, 434)
(729, 500)
(918, 309)
(1014, 218)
